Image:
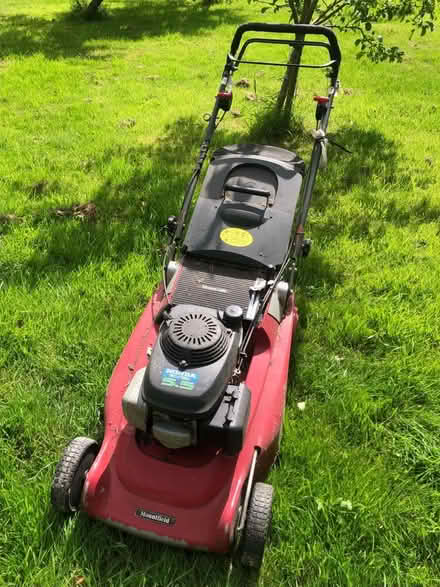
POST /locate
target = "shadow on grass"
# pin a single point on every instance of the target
(378, 177)
(110, 556)
(131, 214)
(269, 126)
(69, 36)
(371, 152)
(374, 178)
(371, 155)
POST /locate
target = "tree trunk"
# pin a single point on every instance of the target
(283, 90)
(293, 83)
(92, 8)
(288, 87)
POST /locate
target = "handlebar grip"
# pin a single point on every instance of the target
(305, 29)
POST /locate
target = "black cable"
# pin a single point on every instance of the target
(221, 119)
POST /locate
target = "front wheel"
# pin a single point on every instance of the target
(71, 472)
(258, 523)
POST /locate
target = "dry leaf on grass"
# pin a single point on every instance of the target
(7, 218)
(127, 123)
(81, 211)
(243, 83)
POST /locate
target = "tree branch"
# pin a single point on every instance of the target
(294, 11)
(329, 8)
(336, 7)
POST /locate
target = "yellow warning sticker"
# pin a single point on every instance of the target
(236, 237)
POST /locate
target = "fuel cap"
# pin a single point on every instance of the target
(233, 316)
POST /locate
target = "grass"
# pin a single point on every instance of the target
(109, 112)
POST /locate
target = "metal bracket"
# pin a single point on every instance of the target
(255, 293)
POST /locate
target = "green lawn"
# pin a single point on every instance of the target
(110, 112)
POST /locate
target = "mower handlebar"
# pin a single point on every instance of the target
(304, 29)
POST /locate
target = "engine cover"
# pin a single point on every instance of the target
(192, 362)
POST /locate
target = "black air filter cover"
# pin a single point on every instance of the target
(196, 337)
(191, 363)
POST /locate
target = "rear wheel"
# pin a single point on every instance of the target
(71, 472)
(258, 523)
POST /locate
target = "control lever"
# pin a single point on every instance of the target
(319, 135)
(255, 293)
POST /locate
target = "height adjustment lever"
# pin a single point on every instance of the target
(321, 107)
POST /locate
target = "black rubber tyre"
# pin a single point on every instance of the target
(257, 527)
(70, 474)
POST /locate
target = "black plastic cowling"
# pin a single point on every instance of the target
(191, 363)
(229, 424)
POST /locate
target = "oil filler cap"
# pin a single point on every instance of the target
(233, 316)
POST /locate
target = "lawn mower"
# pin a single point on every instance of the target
(194, 408)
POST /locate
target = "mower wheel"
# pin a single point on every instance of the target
(71, 472)
(258, 522)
